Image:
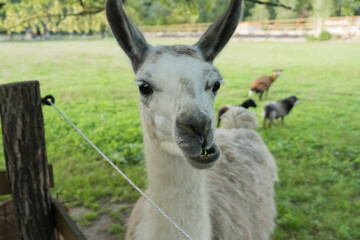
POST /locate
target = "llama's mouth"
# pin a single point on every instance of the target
(206, 159)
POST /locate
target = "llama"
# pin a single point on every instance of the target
(262, 84)
(246, 104)
(178, 85)
(239, 118)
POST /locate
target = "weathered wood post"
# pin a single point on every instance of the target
(26, 161)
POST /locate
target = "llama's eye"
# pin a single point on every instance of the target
(216, 87)
(145, 89)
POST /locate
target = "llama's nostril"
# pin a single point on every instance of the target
(202, 140)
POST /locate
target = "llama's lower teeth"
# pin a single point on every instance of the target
(207, 152)
(206, 155)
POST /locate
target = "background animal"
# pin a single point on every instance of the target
(246, 104)
(262, 84)
(279, 109)
(177, 87)
(247, 171)
(239, 117)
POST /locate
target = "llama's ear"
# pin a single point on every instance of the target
(220, 32)
(126, 33)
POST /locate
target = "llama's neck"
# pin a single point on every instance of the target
(180, 191)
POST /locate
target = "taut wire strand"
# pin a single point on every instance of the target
(124, 176)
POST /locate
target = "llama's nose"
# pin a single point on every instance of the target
(197, 124)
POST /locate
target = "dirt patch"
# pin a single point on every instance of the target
(107, 222)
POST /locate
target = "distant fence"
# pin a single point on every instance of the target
(17, 37)
(344, 27)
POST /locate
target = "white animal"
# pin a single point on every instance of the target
(178, 85)
(247, 170)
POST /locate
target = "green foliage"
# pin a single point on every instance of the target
(87, 16)
(324, 8)
(159, 13)
(303, 8)
(324, 35)
(87, 218)
(116, 230)
(212, 10)
(259, 12)
(348, 7)
(311, 38)
(317, 151)
(282, 13)
(53, 15)
(90, 216)
(272, 10)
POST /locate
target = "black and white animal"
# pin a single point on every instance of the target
(248, 103)
(278, 109)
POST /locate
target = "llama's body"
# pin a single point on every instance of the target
(246, 104)
(239, 197)
(245, 175)
(178, 85)
(238, 190)
(180, 190)
(242, 203)
(239, 207)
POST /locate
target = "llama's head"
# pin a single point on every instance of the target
(177, 84)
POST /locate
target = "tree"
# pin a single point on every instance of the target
(55, 15)
(282, 13)
(303, 8)
(87, 15)
(259, 12)
(212, 10)
(347, 7)
(324, 8)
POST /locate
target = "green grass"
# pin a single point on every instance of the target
(117, 230)
(317, 151)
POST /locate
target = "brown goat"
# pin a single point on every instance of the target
(262, 84)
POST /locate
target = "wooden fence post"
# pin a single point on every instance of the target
(26, 161)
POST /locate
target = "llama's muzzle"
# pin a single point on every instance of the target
(206, 159)
(194, 135)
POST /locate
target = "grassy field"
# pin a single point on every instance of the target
(317, 151)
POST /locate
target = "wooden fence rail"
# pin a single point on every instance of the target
(341, 26)
(28, 177)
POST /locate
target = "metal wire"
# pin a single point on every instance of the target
(124, 176)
